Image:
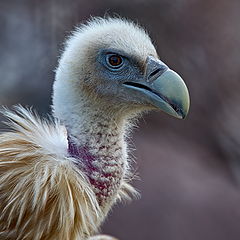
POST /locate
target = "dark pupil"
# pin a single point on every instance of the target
(115, 60)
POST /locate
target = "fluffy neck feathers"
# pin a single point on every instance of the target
(96, 142)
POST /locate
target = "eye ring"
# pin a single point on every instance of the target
(114, 61)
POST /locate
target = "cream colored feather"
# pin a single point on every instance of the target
(43, 194)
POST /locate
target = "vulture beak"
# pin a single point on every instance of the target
(162, 88)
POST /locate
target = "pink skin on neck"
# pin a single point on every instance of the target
(83, 154)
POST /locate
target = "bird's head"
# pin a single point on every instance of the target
(113, 63)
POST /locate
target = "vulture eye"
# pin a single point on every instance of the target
(114, 61)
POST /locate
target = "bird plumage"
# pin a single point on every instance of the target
(43, 194)
(59, 178)
(41, 188)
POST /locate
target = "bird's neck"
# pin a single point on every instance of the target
(97, 143)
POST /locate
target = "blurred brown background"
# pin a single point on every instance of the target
(189, 169)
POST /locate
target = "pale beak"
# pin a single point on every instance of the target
(163, 88)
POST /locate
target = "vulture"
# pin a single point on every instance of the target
(60, 176)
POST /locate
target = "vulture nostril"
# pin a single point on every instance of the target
(154, 73)
(138, 85)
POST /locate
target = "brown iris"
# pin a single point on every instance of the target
(115, 60)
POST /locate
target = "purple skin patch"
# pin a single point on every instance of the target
(83, 154)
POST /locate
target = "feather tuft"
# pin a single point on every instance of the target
(42, 187)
